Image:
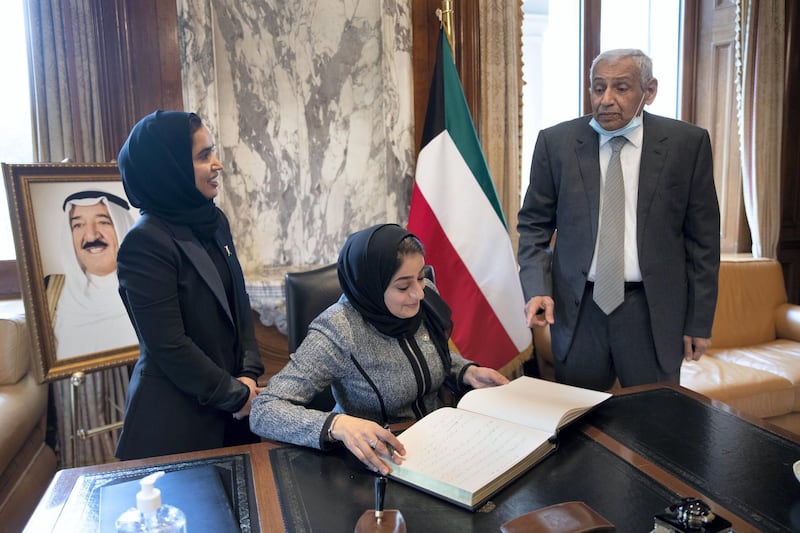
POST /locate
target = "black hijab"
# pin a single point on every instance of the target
(158, 172)
(367, 263)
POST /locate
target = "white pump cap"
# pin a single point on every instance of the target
(149, 498)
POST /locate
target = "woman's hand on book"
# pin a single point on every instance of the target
(479, 377)
(369, 442)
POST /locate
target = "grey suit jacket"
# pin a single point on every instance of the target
(678, 228)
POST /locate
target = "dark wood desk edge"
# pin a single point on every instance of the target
(48, 510)
(662, 476)
(760, 422)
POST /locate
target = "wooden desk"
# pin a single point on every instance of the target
(630, 458)
(48, 511)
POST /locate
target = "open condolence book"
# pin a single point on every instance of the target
(466, 454)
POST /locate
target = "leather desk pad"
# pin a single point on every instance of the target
(329, 491)
(741, 466)
(82, 510)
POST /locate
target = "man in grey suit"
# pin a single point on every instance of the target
(668, 249)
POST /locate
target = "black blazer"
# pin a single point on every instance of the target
(193, 346)
(677, 232)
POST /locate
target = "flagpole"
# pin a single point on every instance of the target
(445, 15)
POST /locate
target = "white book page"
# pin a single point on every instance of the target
(462, 449)
(531, 402)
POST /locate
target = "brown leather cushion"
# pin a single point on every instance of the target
(24, 483)
(22, 405)
(755, 391)
(15, 342)
(749, 292)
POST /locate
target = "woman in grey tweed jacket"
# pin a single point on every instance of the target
(382, 348)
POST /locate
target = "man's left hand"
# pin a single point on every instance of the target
(694, 347)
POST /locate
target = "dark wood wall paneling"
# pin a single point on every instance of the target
(424, 28)
(691, 37)
(9, 280)
(789, 243)
(141, 69)
(466, 39)
(590, 48)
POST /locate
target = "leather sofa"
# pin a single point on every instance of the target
(27, 464)
(754, 362)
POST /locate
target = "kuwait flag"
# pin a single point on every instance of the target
(457, 216)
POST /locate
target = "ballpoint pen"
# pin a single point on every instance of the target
(380, 492)
(389, 447)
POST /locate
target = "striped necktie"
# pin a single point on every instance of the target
(609, 284)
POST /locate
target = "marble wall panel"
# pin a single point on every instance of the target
(311, 103)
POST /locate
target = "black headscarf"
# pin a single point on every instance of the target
(158, 172)
(367, 263)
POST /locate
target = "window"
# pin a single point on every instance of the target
(552, 69)
(654, 27)
(16, 145)
(551, 38)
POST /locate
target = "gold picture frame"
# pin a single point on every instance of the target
(72, 329)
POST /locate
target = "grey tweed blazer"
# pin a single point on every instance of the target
(339, 341)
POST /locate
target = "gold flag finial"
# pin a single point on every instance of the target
(445, 16)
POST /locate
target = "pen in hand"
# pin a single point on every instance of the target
(389, 447)
(380, 492)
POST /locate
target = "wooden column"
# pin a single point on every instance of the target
(789, 244)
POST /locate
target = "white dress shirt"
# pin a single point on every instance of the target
(630, 157)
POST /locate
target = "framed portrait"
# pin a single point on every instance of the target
(68, 220)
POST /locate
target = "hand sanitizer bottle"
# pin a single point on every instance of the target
(149, 516)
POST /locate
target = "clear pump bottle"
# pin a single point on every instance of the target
(149, 515)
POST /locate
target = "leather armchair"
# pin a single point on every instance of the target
(754, 361)
(27, 464)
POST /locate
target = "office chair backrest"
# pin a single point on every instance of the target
(307, 295)
(311, 292)
(427, 271)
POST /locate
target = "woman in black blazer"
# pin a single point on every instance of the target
(183, 287)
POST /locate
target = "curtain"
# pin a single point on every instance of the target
(501, 101)
(760, 50)
(66, 118)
